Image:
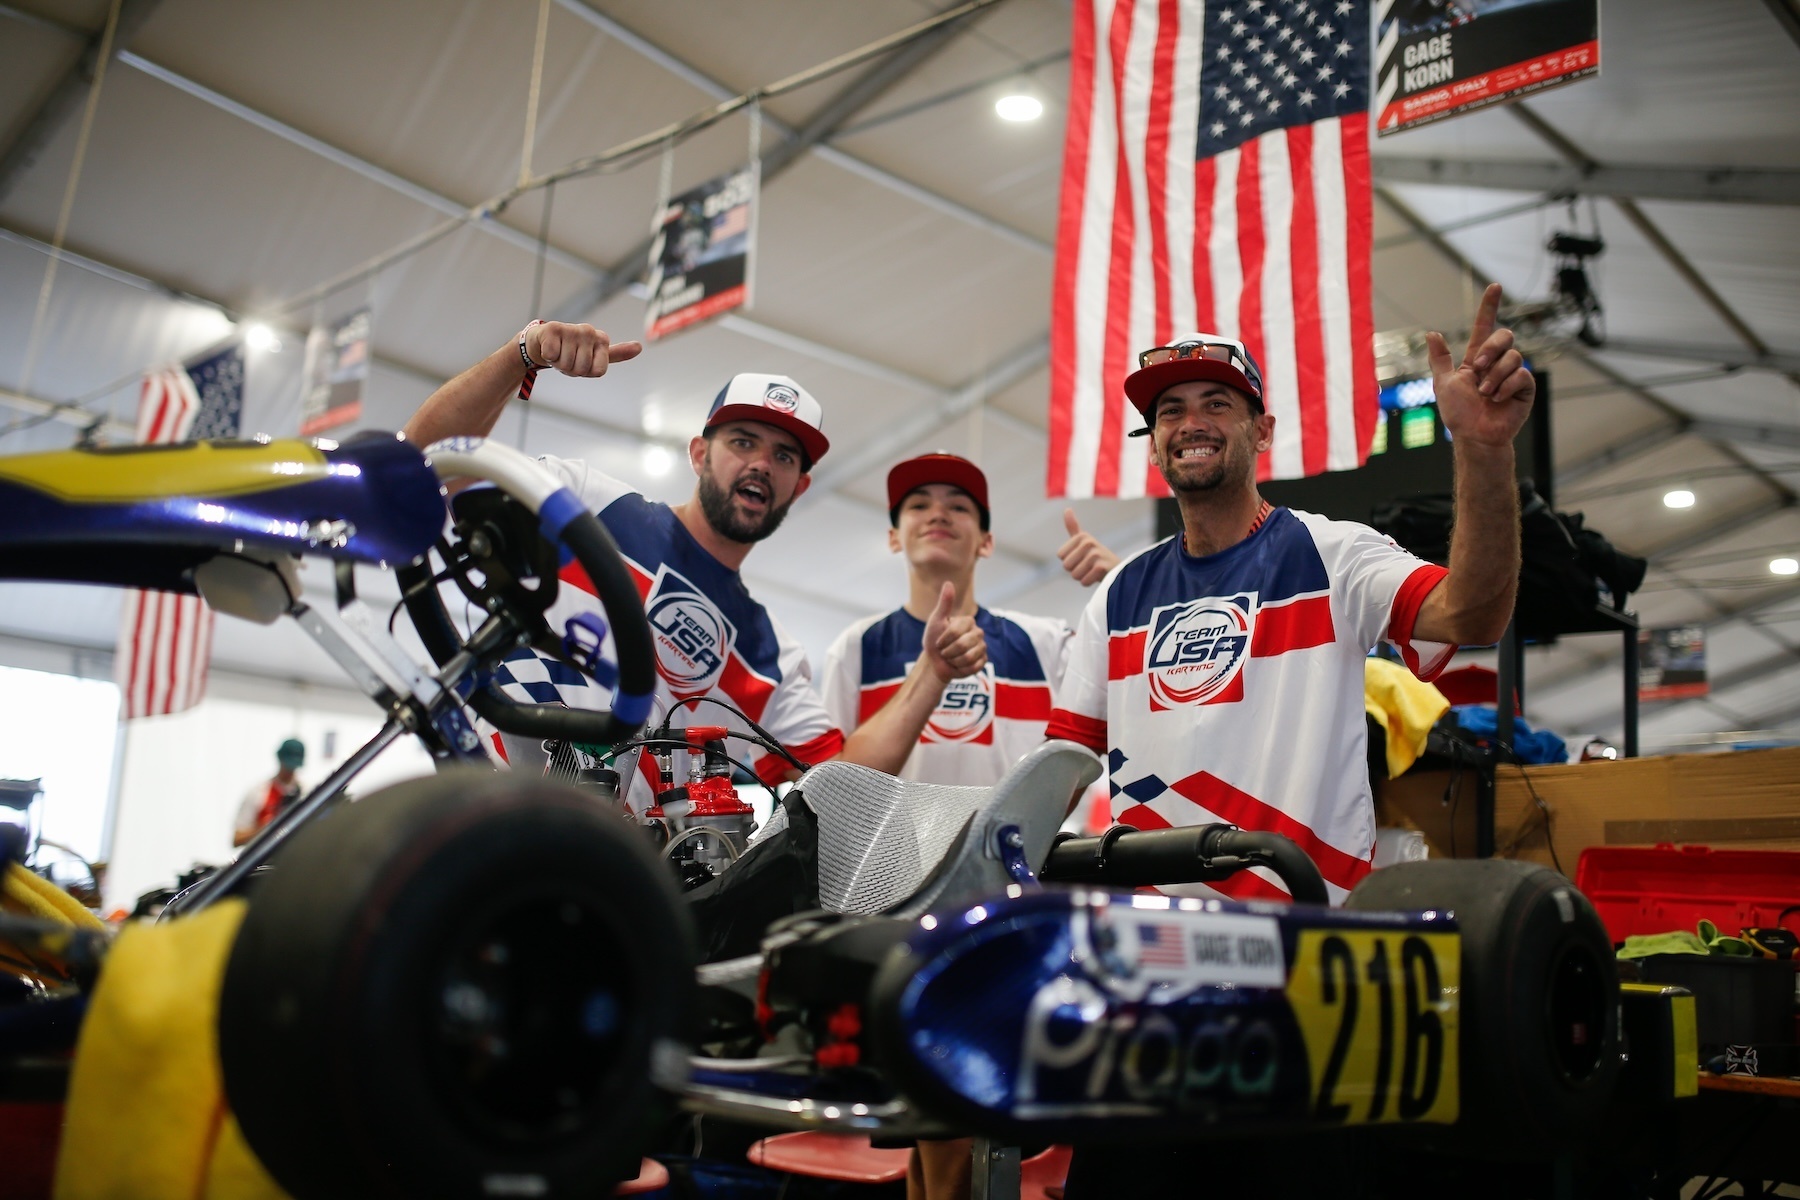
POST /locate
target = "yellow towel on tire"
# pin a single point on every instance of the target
(146, 1115)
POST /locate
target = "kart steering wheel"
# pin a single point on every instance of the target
(509, 536)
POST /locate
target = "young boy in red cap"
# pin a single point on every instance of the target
(984, 722)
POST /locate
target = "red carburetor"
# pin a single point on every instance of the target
(705, 811)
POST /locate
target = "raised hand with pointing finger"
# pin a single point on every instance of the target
(1083, 556)
(1485, 397)
(470, 404)
(578, 350)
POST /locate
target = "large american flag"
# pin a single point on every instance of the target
(165, 639)
(1215, 180)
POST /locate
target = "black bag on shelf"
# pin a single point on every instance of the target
(1565, 568)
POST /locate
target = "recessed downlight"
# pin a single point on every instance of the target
(1019, 107)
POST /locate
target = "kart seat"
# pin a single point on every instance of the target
(652, 1176)
(896, 847)
(844, 1157)
(849, 1158)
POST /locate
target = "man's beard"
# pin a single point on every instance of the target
(1213, 473)
(715, 504)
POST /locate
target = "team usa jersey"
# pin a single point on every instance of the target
(1230, 687)
(711, 637)
(983, 724)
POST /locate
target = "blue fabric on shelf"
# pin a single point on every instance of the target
(1530, 745)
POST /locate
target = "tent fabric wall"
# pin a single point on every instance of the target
(242, 153)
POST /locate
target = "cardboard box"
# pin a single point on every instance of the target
(1748, 800)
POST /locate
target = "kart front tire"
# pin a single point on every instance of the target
(460, 986)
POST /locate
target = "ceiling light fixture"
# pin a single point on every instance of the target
(657, 461)
(261, 337)
(1679, 498)
(1784, 566)
(1019, 107)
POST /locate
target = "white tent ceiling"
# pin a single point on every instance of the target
(242, 153)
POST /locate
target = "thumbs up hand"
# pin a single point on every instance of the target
(1083, 557)
(955, 647)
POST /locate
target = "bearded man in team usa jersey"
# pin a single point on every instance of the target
(751, 461)
(1221, 672)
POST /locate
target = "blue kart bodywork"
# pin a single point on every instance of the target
(144, 516)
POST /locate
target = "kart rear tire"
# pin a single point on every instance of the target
(460, 986)
(1540, 999)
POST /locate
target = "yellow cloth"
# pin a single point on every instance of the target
(146, 1117)
(35, 896)
(1404, 705)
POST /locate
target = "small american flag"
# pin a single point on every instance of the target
(1215, 180)
(731, 223)
(165, 639)
(1160, 944)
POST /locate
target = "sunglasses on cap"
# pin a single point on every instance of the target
(1219, 351)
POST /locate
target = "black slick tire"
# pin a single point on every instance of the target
(1539, 1000)
(460, 986)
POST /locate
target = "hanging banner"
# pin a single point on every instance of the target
(337, 366)
(1672, 663)
(700, 258)
(1438, 58)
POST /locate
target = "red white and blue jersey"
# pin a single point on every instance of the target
(711, 637)
(1230, 687)
(982, 724)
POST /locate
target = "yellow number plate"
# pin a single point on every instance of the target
(1378, 1010)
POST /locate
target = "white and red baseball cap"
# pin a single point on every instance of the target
(774, 400)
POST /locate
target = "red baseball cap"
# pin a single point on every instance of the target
(1189, 357)
(774, 400)
(939, 467)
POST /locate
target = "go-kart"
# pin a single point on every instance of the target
(493, 983)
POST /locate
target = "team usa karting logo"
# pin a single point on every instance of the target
(692, 636)
(965, 713)
(781, 398)
(1195, 651)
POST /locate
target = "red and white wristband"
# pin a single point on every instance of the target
(532, 367)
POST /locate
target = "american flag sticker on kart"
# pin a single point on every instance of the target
(1194, 948)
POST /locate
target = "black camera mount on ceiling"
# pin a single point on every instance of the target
(1574, 291)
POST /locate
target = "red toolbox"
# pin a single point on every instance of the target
(1657, 890)
(1745, 1006)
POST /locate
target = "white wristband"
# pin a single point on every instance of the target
(524, 355)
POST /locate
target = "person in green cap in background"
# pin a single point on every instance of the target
(264, 802)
